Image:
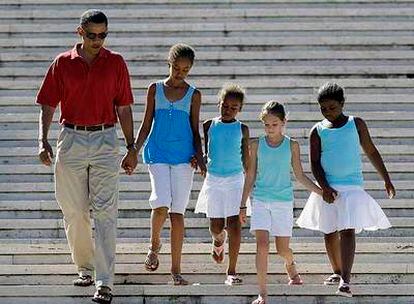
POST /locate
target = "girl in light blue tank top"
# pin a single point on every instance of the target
(344, 208)
(226, 144)
(170, 136)
(272, 157)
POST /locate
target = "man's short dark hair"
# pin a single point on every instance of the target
(93, 16)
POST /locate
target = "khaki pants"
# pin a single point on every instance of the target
(87, 177)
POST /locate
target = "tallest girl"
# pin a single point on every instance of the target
(171, 124)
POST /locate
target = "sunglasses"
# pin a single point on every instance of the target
(92, 36)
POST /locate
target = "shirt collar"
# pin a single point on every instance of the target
(103, 52)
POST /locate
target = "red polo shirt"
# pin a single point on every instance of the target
(87, 94)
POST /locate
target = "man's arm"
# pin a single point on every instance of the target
(45, 120)
(130, 160)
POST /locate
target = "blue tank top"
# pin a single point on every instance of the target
(224, 148)
(340, 153)
(273, 178)
(171, 138)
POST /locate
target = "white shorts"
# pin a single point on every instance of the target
(171, 186)
(275, 217)
(354, 208)
(220, 196)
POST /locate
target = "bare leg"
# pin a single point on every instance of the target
(158, 217)
(262, 253)
(234, 230)
(218, 234)
(333, 249)
(282, 247)
(347, 253)
(176, 237)
(217, 230)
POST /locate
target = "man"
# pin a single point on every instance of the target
(92, 86)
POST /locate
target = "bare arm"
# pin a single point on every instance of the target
(329, 194)
(127, 123)
(195, 120)
(146, 123)
(373, 155)
(249, 180)
(298, 170)
(45, 120)
(130, 159)
(245, 147)
(206, 127)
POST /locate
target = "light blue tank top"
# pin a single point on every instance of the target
(171, 138)
(224, 148)
(340, 153)
(273, 178)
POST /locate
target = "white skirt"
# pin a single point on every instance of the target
(354, 208)
(220, 197)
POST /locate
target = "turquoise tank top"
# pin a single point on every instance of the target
(273, 178)
(171, 138)
(340, 153)
(224, 148)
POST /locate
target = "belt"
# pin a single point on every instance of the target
(89, 128)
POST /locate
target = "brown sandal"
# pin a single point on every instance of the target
(151, 261)
(178, 280)
(294, 277)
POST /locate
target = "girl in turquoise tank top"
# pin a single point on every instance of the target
(271, 160)
(226, 146)
(170, 136)
(344, 206)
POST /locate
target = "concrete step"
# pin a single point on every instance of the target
(253, 84)
(66, 12)
(46, 55)
(253, 70)
(220, 28)
(195, 227)
(214, 293)
(245, 41)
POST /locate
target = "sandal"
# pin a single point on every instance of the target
(294, 277)
(259, 300)
(83, 281)
(233, 280)
(103, 295)
(333, 279)
(344, 290)
(151, 261)
(217, 252)
(178, 280)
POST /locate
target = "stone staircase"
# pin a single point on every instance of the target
(277, 49)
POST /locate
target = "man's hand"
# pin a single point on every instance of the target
(129, 161)
(45, 152)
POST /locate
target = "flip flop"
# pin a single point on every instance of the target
(217, 252)
(151, 261)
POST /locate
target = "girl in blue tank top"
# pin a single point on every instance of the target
(344, 207)
(226, 146)
(170, 136)
(271, 160)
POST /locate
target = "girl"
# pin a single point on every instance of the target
(271, 158)
(344, 206)
(171, 120)
(226, 144)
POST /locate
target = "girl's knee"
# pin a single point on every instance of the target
(262, 243)
(216, 226)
